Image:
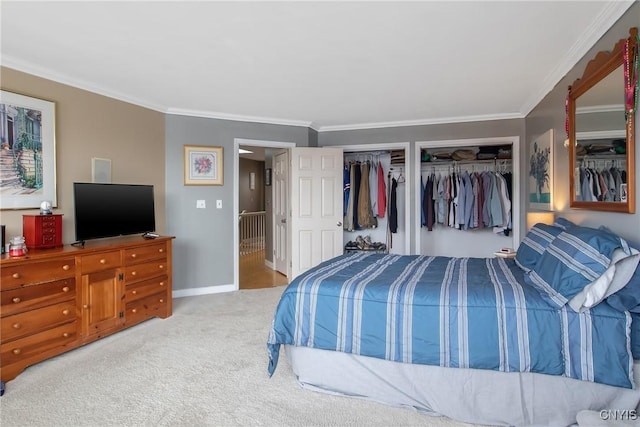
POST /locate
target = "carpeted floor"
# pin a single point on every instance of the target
(204, 366)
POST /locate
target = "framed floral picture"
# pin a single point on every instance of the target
(203, 165)
(541, 172)
(28, 151)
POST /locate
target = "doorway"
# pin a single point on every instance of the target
(255, 190)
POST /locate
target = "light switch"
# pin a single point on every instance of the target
(201, 204)
(219, 204)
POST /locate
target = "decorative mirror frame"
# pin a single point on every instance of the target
(597, 69)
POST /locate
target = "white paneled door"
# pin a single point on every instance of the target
(281, 211)
(316, 206)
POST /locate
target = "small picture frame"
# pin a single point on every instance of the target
(267, 177)
(203, 165)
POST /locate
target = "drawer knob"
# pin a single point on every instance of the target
(66, 335)
(16, 300)
(161, 250)
(134, 292)
(161, 299)
(65, 289)
(65, 311)
(17, 326)
(66, 267)
(134, 310)
(133, 273)
(16, 351)
(15, 275)
(161, 283)
(103, 261)
(134, 255)
(85, 306)
(161, 266)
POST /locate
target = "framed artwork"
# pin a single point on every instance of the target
(28, 151)
(203, 165)
(541, 172)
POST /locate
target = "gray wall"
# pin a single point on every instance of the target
(411, 134)
(550, 113)
(203, 251)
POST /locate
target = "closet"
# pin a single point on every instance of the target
(376, 191)
(467, 197)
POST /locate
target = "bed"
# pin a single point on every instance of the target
(534, 340)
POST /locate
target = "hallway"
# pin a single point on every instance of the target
(255, 275)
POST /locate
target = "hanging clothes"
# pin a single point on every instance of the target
(373, 187)
(346, 189)
(467, 200)
(601, 184)
(355, 188)
(382, 193)
(365, 216)
(393, 206)
(348, 219)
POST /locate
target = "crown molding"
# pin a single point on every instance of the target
(603, 23)
(45, 73)
(237, 117)
(422, 122)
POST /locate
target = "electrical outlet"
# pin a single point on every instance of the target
(219, 204)
(201, 204)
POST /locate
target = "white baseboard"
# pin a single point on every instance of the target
(269, 264)
(180, 293)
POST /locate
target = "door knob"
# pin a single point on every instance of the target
(339, 224)
(283, 220)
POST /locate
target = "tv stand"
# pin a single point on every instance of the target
(55, 300)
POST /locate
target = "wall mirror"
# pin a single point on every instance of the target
(601, 132)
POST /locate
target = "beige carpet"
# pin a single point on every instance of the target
(204, 366)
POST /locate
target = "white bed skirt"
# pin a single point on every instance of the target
(469, 395)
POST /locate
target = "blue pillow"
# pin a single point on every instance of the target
(534, 244)
(628, 298)
(575, 258)
(635, 335)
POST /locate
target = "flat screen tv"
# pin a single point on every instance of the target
(109, 210)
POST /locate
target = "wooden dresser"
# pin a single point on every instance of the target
(54, 300)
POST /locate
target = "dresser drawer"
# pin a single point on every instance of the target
(145, 253)
(143, 309)
(30, 297)
(39, 343)
(147, 270)
(15, 275)
(98, 262)
(144, 289)
(20, 325)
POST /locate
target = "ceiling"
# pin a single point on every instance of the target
(327, 65)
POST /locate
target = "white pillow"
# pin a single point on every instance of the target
(616, 277)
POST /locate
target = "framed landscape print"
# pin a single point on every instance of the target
(203, 165)
(27, 151)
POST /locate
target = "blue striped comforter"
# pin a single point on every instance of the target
(449, 312)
